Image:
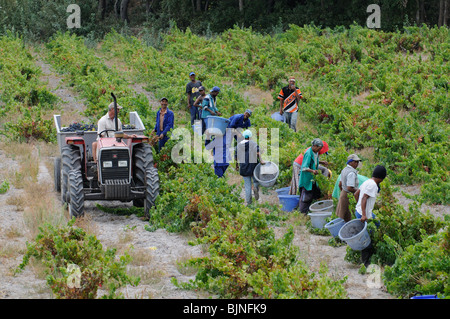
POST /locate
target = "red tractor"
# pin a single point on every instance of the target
(125, 169)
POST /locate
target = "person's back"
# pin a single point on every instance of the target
(247, 157)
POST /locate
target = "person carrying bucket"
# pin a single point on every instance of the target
(246, 155)
(348, 184)
(209, 106)
(366, 195)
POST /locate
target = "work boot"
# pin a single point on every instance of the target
(256, 192)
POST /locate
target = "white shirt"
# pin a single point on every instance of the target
(107, 123)
(370, 188)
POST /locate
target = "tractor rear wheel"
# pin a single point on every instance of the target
(142, 159)
(152, 189)
(76, 194)
(70, 160)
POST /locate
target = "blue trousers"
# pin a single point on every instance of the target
(358, 216)
(220, 169)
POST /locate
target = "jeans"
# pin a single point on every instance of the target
(248, 188)
(195, 114)
(358, 216)
(291, 119)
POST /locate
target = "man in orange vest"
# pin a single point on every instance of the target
(289, 97)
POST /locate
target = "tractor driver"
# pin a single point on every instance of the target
(107, 123)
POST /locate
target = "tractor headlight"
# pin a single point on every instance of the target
(123, 163)
(107, 164)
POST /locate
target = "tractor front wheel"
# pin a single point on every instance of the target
(152, 189)
(76, 194)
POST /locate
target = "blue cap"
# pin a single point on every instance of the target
(192, 73)
(215, 89)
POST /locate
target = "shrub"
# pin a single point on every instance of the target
(76, 264)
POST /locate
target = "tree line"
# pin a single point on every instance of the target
(41, 18)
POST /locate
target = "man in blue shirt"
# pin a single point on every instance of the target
(240, 120)
(164, 123)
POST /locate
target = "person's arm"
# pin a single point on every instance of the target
(169, 124)
(340, 185)
(197, 101)
(306, 162)
(205, 106)
(363, 207)
(281, 98)
(356, 194)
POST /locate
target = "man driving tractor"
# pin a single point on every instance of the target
(106, 125)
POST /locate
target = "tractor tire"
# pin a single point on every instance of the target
(142, 159)
(70, 160)
(152, 189)
(57, 174)
(76, 194)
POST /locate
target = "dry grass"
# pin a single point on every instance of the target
(36, 199)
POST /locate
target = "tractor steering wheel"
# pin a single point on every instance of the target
(100, 134)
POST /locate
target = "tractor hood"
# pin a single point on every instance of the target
(111, 142)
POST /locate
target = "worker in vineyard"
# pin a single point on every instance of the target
(193, 91)
(220, 146)
(297, 164)
(289, 97)
(164, 122)
(198, 101)
(106, 127)
(239, 122)
(247, 155)
(348, 185)
(209, 107)
(367, 194)
(309, 168)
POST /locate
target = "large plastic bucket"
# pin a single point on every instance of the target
(322, 206)
(318, 220)
(266, 180)
(355, 234)
(217, 125)
(278, 117)
(283, 191)
(289, 202)
(334, 226)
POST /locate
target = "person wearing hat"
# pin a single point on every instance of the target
(239, 122)
(209, 107)
(309, 168)
(164, 122)
(297, 164)
(107, 122)
(193, 91)
(247, 155)
(289, 97)
(366, 195)
(348, 184)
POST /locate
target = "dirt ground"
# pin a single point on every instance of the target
(156, 255)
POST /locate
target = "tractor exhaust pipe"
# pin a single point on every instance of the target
(118, 134)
